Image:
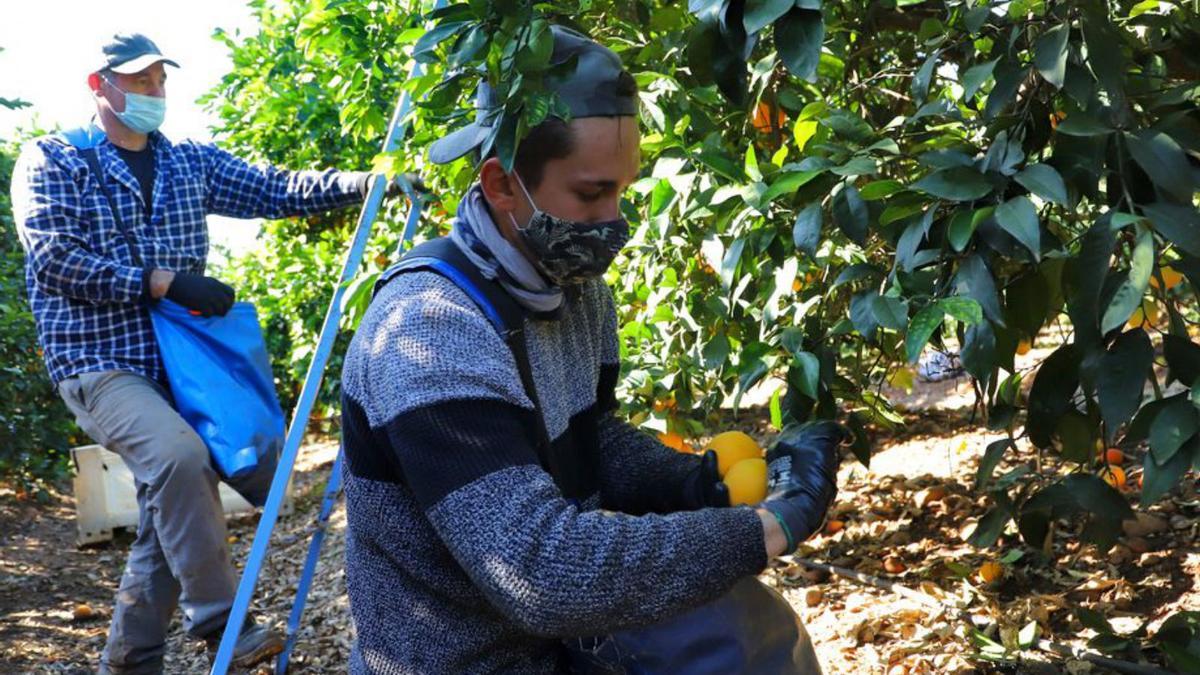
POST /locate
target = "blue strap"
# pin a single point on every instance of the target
(417, 262)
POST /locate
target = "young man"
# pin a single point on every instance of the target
(465, 553)
(91, 297)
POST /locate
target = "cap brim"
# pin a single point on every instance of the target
(137, 65)
(457, 143)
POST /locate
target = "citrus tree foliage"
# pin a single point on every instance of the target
(36, 430)
(830, 190)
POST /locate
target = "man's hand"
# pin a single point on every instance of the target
(802, 478)
(395, 186)
(199, 293)
(703, 487)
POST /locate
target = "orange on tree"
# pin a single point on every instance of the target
(1171, 278)
(674, 441)
(1114, 456)
(1023, 347)
(1146, 313)
(732, 447)
(747, 481)
(1113, 475)
(768, 118)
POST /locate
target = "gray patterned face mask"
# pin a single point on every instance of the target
(569, 252)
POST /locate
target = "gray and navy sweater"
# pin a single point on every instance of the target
(463, 555)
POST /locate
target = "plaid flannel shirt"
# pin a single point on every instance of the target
(84, 287)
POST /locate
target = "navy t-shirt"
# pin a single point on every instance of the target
(141, 164)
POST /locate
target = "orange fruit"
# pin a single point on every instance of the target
(665, 403)
(1113, 475)
(894, 565)
(1147, 313)
(768, 118)
(1023, 347)
(747, 481)
(991, 572)
(674, 441)
(1114, 456)
(733, 447)
(796, 285)
(1170, 277)
(834, 526)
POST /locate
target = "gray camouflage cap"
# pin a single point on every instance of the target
(590, 91)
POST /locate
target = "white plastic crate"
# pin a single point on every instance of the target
(105, 496)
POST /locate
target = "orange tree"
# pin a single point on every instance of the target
(830, 189)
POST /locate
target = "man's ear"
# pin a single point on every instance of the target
(94, 83)
(499, 188)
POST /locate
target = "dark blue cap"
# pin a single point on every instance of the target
(128, 53)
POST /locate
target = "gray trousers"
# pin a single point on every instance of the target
(181, 554)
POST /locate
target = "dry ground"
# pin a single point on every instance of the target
(911, 509)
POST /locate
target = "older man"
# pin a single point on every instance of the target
(106, 236)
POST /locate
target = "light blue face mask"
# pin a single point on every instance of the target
(142, 113)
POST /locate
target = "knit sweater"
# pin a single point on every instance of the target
(463, 555)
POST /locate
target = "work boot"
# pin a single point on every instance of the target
(255, 645)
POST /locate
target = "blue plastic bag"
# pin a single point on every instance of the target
(221, 380)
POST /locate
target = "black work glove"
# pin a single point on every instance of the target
(395, 186)
(702, 486)
(201, 294)
(802, 477)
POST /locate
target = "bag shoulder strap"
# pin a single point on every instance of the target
(442, 256)
(85, 141)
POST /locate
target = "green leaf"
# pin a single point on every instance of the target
(810, 373)
(974, 280)
(963, 224)
(991, 459)
(1120, 378)
(1018, 217)
(991, 526)
(1173, 426)
(1183, 359)
(716, 351)
(1163, 160)
(1158, 479)
(1081, 124)
(965, 310)
(920, 329)
(880, 189)
(1052, 393)
(923, 77)
(958, 184)
(776, 410)
(1131, 293)
(1105, 57)
(854, 273)
(979, 351)
(1044, 181)
(975, 76)
(423, 50)
(1178, 224)
(889, 312)
(1009, 75)
(763, 13)
(850, 214)
(806, 233)
(1050, 54)
(788, 184)
(798, 37)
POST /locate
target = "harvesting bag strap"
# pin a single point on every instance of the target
(84, 140)
(443, 257)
